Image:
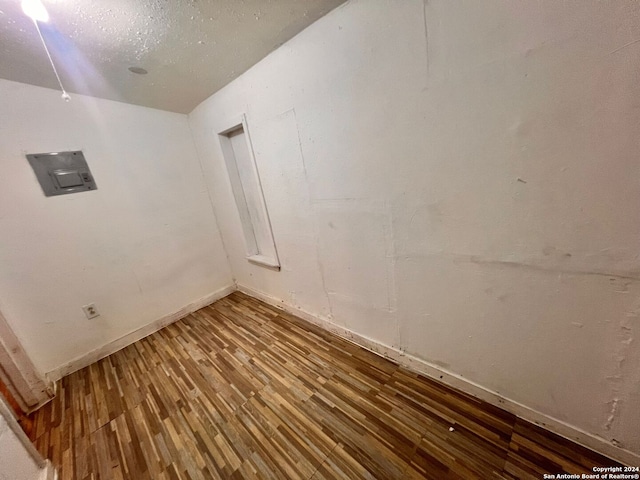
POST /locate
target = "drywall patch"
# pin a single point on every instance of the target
(356, 251)
(281, 163)
(622, 275)
(624, 377)
(612, 414)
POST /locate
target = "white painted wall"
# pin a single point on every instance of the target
(459, 180)
(142, 246)
(16, 462)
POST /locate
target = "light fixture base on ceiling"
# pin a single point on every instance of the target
(36, 10)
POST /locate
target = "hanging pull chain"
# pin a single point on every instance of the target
(65, 95)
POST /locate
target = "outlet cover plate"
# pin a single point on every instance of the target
(91, 311)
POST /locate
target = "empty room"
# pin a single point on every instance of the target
(319, 239)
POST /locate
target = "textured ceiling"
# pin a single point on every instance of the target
(191, 48)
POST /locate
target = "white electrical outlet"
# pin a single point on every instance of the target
(91, 311)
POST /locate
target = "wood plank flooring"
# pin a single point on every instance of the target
(242, 390)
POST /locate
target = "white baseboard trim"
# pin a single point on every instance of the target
(428, 369)
(138, 334)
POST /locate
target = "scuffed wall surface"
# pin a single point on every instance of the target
(142, 246)
(458, 180)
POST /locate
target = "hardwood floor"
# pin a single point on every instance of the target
(242, 390)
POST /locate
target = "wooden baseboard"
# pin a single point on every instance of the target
(138, 334)
(424, 367)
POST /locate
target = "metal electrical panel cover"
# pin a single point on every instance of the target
(61, 173)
